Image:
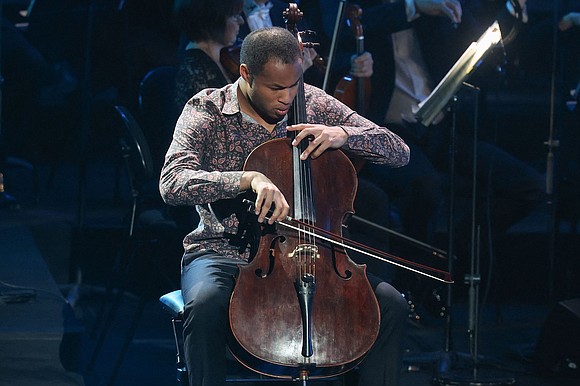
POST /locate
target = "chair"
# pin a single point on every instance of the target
(158, 113)
(157, 110)
(172, 302)
(151, 235)
(137, 158)
(157, 92)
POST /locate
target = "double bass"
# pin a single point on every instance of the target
(301, 308)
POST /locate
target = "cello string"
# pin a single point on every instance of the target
(307, 184)
(306, 249)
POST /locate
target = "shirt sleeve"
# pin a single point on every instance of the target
(366, 139)
(186, 176)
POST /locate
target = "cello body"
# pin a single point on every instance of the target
(273, 333)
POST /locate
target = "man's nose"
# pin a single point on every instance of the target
(285, 96)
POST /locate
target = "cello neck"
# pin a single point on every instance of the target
(302, 172)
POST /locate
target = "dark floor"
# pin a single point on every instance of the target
(67, 234)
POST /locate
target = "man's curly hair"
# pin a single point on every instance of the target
(273, 43)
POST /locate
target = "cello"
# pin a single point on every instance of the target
(301, 309)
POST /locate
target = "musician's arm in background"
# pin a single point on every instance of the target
(571, 19)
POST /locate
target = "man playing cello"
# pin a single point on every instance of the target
(216, 132)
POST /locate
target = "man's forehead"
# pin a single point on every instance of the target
(277, 63)
(280, 72)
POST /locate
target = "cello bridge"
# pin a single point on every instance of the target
(305, 253)
(305, 256)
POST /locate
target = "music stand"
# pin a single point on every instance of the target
(426, 113)
(470, 60)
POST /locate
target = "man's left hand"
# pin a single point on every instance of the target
(323, 137)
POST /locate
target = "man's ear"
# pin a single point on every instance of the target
(245, 74)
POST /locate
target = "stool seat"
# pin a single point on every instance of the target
(172, 302)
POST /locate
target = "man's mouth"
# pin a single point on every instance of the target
(282, 111)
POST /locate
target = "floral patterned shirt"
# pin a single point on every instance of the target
(213, 138)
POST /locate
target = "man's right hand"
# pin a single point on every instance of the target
(267, 194)
(448, 8)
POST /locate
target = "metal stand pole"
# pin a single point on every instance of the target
(474, 376)
(552, 144)
(446, 357)
(86, 106)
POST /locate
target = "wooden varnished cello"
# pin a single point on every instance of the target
(301, 308)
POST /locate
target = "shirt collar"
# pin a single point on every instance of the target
(232, 104)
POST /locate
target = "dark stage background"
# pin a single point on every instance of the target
(65, 214)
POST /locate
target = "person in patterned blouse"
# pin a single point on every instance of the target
(208, 26)
(215, 133)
